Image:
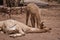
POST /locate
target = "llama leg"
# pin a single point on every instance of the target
(27, 17)
(37, 30)
(39, 24)
(21, 33)
(33, 21)
(15, 35)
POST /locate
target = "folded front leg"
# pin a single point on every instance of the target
(21, 33)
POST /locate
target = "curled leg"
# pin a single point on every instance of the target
(19, 34)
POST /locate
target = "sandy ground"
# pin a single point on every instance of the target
(51, 19)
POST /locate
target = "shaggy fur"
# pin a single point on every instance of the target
(15, 28)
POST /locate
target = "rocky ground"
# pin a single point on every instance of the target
(51, 18)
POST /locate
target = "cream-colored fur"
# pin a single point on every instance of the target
(16, 28)
(34, 11)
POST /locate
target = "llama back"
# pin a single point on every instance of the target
(32, 8)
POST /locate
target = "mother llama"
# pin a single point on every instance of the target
(33, 10)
